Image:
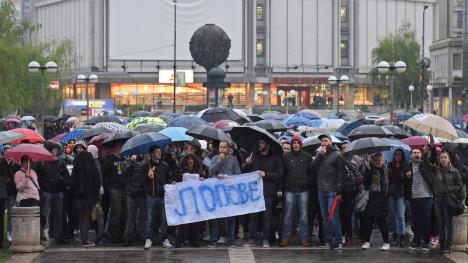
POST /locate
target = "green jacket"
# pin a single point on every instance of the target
(447, 181)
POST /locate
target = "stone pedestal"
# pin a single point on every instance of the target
(26, 229)
(460, 229)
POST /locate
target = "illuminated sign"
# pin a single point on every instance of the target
(106, 104)
(183, 76)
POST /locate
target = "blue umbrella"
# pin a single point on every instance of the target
(27, 118)
(73, 135)
(186, 122)
(346, 128)
(301, 121)
(142, 143)
(177, 134)
(396, 144)
(307, 115)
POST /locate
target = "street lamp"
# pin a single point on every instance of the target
(175, 56)
(332, 80)
(423, 63)
(394, 68)
(429, 93)
(281, 93)
(93, 78)
(51, 67)
(411, 89)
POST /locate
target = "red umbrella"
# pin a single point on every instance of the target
(465, 118)
(415, 141)
(335, 203)
(58, 138)
(30, 136)
(98, 139)
(225, 123)
(15, 120)
(37, 152)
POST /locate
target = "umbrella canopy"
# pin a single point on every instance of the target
(142, 143)
(58, 137)
(367, 145)
(465, 118)
(273, 115)
(255, 117)
(72, 119)
(432, 124)
(247, 137)
(307, 115)
(204, 132)
(27, 118)
(415, 141)
(9, 136)
(106, 118)
(225, 124)
(98, 139)
(346, 128)
(301, 121)
(37, 152)
(398, 132)
(311, 144)
(13, 120)
(145, 120)
(29, 136)
(120, 136)
(141, 114)
(186, 122)
(340, 136)
(73, 135)
(111, 126)
(462, 134)
(92, 132)
(177, 134)
(404, 116)
(269, 125)
(331, 124)
(369, 131)
(217, 114)
(149, 128)
(396, 144)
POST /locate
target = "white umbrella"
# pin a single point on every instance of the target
(432, 124)
(27, 118)
(72, 119)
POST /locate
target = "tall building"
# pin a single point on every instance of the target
(277, 46)
(465, 57)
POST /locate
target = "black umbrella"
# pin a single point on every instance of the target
(255, 117)
(340, 136)
(269, 125)
(149, 128)
(398, 132)
(247, 137)
(93, 132)
(120, 136)
(142, 143)
(204, 132)
(367, 146)
(107, 118)
(370, 131)
(311, 144)
(217, 114)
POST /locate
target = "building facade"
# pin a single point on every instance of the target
(291, 46)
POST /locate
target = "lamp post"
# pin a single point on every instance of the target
(175, 56)
(93, 78)
(393, 68)
(51, 67)
(411, 89)
(332, 80)
(421, 74)
(429, 93)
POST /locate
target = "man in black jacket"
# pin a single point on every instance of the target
(331, 177)
(53, 176)
(271, 170)
(8, 191)
(295, 185)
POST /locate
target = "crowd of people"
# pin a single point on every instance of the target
(328, 199)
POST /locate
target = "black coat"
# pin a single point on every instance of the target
(135, 173)
(113, 172)
(297, 172)
(85, 178)
(53, 175)
(272, 165)
(331, 171)
(7, 178)
(162, 176)
(377, 205)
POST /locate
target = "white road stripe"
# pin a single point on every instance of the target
(241, 255)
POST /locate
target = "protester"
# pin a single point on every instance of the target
(97, 211)
(27, 184)
(270, 167)
(286, 147)
(8, 168)
(330, 167)
(296, 179)
(223, 164)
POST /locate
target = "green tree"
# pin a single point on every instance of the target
(20, 89)
(400, 45)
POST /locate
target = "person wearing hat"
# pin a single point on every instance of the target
(329, 165)
(295, 186)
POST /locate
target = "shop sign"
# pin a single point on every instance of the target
(300, 80)
(106, 104)
(183, 76)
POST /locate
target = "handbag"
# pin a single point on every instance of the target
(361, 201)
(455, 205)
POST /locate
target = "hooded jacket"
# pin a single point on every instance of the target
(85, 178)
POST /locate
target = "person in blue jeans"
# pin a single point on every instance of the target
(329, 165)
(223, 164)
(295, 186)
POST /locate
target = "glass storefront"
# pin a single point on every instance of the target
(78, 91)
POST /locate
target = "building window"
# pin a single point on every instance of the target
(260, 47)
(344, 14)
(459, 19)
(344, 49)
(259, 11)
(457, 62)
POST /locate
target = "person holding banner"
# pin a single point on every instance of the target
(270, 167)
(223, 164)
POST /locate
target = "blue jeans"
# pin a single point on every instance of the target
(291, 201)
(421, 210)
(397, 211)
(54, 202)
(445, 221)
(213, 225)
(332, 228)
(267, 218)
(158, 204)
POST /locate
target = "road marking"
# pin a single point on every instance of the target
(241, 255)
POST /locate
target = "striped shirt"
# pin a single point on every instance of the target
(419, 188)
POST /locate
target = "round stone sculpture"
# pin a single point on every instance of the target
(209, 46)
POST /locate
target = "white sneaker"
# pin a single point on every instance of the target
(365, 245)
(148, 244)
(167, 244)
(385, 247)
(266, 244)
(222, 240)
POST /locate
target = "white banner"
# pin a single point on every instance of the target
(194, 200)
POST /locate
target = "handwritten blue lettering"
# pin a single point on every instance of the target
(182, 201)
(203, 189)
(253, 187)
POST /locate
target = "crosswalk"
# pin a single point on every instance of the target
(241, 255)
